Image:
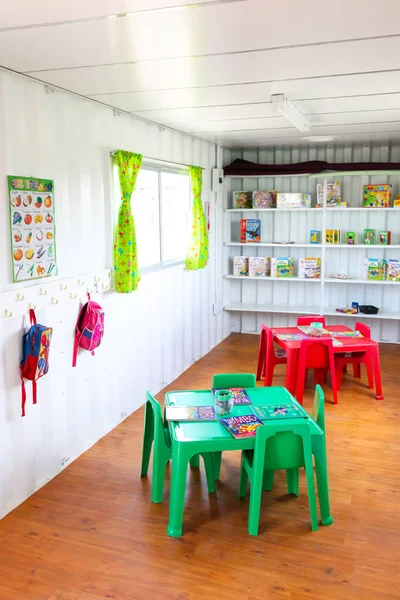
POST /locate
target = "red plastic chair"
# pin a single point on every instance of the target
(316, 354)
(308, 320)
(268, 357)
(356, 359)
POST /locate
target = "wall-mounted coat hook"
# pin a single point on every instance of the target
(7, 313)
(63, 287)
(80, 282)
(19, 297)
(72, 296)
(42, 292)
(89, 291)
(54, 300)
(96, 279)
(32, 306)
(104, 286)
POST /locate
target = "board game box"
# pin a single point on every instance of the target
(377, 196)
(333, 196)
(242, 199)
(282, 267)
(250, 231)
(259, 266)
(293, 200)
(265, 199)
(240, 265)
(310, 268)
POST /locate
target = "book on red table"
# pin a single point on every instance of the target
(190, 413)
(242, 426)
(239, 395)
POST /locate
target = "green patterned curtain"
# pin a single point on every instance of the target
(197, 255)
(125, 256)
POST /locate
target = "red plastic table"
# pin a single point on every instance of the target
(357, 344)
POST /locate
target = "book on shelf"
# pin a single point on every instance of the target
(250, 231)
(239, 395)
(190, 413)
(242, 426)
(280, 411)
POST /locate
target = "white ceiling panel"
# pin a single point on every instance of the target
(267, 65)
(209, 67)
(26, 13)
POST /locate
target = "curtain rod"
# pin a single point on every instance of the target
(170, 162)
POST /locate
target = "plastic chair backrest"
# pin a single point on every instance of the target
(159, 436)
(301, 320)
(234, 380)
(318, 409)
(364, 329)
(317, 352)
(280, 445)
(269, 340)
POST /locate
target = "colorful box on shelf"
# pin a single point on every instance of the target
(293, 200)
(265, 199)
(332, 196)
(250, 231)
(350, 238)
(375, 269)
(369, 236)
(282, 267)
(315, 236)
(310, 268)
(259, 266)
(240, 265)
(242, 199)
(377, 196)
(347, 311)
(393, 272)
(332, 236)
(384, 238)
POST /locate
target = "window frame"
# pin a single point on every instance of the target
(159, 169)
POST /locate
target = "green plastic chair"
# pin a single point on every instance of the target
(230, 380)
(292, 477)
(155, 430)
(278, 446)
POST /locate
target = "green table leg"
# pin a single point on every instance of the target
(178, 486)
(321, 469)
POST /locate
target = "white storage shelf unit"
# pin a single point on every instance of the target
(252, 301)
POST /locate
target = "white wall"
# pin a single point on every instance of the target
(296, 227)
(152, 335)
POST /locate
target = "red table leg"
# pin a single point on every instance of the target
(377, 372)
(291, 370)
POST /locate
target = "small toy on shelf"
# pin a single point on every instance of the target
(240, 265)
(293, 200)
(375, 269)
(369, 236)
(265, 199)
(384, 238)
(242, 199)
(396, 201)
(350, 238)
(259, 266)
(377, 196)
(347, 311)
(393, 273)
(332, 196)
(309, 268)
(332, 236)
(315, 236)
(338, 276)
(282, 267)
(354, 305)
(250, 231)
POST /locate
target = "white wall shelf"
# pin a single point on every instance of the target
(279, 279)
(275, 210)
(361, 280)
(274, 245)
(382, 314)
(362, 246)
(305, 310)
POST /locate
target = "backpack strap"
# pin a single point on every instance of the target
(34, 391)
(23, 395)
(32, 316)
(75, 351)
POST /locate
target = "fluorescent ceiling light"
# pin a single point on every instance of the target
(290, 112)
(320, 138)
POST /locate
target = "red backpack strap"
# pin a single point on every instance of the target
(32, 316)
(75, 351)
(23, 398)
(34, 391)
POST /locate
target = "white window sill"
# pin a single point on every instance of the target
(161, 266)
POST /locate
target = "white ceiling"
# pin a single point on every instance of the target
(208, 67)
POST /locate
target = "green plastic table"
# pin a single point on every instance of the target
(193, 438)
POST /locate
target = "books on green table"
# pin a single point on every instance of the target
(279, 411)
(190, 413)
(242, 426)
(239, 395)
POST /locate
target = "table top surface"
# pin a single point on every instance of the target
(348, 344)
(197, 431)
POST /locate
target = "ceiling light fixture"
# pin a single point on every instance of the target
(290, 112)
(320, 138)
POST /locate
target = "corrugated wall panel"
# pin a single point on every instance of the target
(296, 226)
(151, 336)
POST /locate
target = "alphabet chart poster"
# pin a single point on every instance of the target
(33, 233)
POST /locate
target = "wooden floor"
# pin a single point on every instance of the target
(93, 533)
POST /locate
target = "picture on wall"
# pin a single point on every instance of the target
(33, 233)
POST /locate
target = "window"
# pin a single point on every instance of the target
(161, 207)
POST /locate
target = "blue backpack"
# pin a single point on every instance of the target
(35, 355)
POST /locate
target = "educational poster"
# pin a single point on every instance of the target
(33, 241)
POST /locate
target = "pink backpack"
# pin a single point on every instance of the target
(89, 328)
